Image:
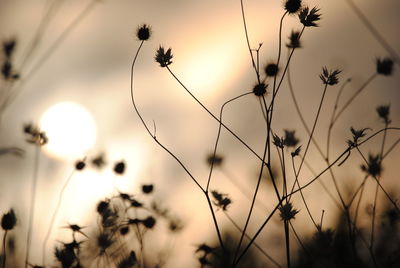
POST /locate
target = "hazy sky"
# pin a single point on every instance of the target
(91, 67)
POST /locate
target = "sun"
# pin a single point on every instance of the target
(70, 128)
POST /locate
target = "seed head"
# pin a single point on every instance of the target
(290, 140)
(294, 40)
(287, 212)
(329, 77)
(104, 241)
(271, 69)
(309, 17)
(129, 261)
(149, 222)
(374, 167)
(79, 165)
(278, 142)
(163, 58)
(383, 112)
(292, 6)
(215, 159)
(143, 32)
(147, 188)
(296, 152)
(260, 89)
(9, 220)
(221, 200)
(384, 66)
(119, 168)
(8, 47)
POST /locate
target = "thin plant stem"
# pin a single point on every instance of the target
(32, 203)
(219, 134)
(258, 232)
(53, 218)
(374, 31)
(252, 202)
(4, 249)
(299, 113)
(374, 217)
(248, 42)
(39, 63)
(169, 152)
(213, 116)
(331, 122)
(354, 96)
(263, 252)
(345, 155)
(377, 181)
(302, 196)
(287, 242)
(279, 49)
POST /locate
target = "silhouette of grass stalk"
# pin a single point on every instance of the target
(32, 203)
(54, 216)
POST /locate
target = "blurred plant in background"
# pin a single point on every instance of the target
(127, 228)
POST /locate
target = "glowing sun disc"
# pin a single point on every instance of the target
(70, 128)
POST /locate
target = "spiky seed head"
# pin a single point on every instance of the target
(9, 220)
(260, 89)
(384, 66)
(309, 17)
(143, 32)
(119, 168)
(294, 40)
(164, 58)
(271, 69)
(292, 6)
(287, 212)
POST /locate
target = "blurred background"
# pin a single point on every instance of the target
(78, 92)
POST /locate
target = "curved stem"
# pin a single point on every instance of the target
(219, 134)
(53, 218)
(4, 249)
(374, 32)
(248, 42)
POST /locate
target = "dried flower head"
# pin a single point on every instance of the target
(357, 134)
(34, 135)
(65, 256)
(79, 165)
(260, 89)
(9, 220)
(329, 77)
(296, 152)
(149, 222)
(383, 112)
(104, 241)
(287, 212)
(143, 32)
(384, 66)
(292, 6)
(278, 141)
(163, 58)
(294, 40)
(290, 140)
(102, 207)
(147, 188)
(215, 159)
(99, 161)
(8, 47)
(221, 200)
(8, 72)
(271, 69)
(129, 261)
(119, 167)
(374, 166)
(309, 17)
